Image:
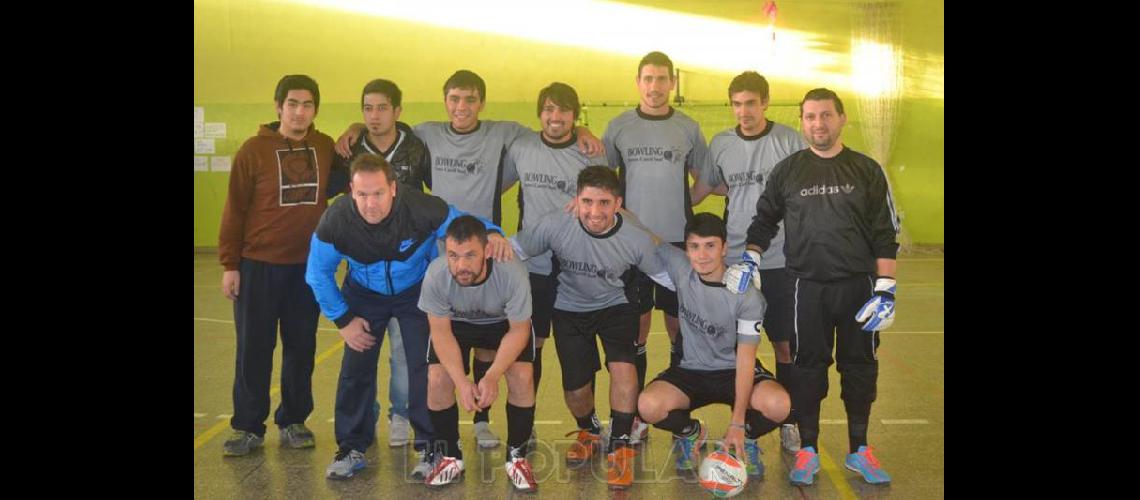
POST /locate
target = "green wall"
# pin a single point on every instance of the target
(243, 47)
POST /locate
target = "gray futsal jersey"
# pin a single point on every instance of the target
(713, 319)
(654, 154)
(594, 270)
(744, 164)
(467, 169)
(504, 295)
(548, 180)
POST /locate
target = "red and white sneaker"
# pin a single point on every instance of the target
(521, 475)
(639, 433)
(447, 470)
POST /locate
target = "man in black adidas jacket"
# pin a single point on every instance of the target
(841, 244)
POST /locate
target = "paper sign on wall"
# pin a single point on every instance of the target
(203, 146)
(199, 130)
(201, 164)
(216, 130)
(199, 115)
(220, 163)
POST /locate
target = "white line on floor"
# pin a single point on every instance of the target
(219, 417)
(905, 421)
(199, 415)
(828, 421)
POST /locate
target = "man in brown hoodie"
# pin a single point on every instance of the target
(276, 197)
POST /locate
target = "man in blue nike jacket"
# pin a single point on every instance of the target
(388, 236)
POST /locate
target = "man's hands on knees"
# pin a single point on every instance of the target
(468, 395)
(738, 276)
(357, 336)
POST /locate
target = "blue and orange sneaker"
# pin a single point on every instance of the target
(755, 466)
(863, 462)
(807, 465)
(689, 449)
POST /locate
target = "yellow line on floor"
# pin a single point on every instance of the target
(210, 433)
(835, 475)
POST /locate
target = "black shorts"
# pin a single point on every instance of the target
(574, 339)
(470, 335)
(650, 294)
(779, 290)
(707, 387)
(543, 291)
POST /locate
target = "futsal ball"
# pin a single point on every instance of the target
(722, 474)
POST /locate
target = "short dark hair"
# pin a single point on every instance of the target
(705, 224)
(297, 82)
(562, 95)
(657, 59)
(385, 87)
(465, 227)
(464, 79)
(750, 81)
(822, 94)
(369, 162)
(601, 177)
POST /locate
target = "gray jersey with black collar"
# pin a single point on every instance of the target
(504, 295)
(594, 270)
(713, 319)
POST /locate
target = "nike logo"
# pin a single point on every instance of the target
(406, 244)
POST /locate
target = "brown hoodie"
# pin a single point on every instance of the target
(276, 197)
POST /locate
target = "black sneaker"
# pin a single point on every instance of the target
(240, 443)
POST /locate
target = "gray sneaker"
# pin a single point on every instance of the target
(790, 438)
(346, 463)
(423, 467)
(297, 436)
(399, 430)
(240, 443)
(484, 437)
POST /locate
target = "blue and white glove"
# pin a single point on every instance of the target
(879, 312)
(737, 276)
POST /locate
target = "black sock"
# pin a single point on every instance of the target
(756, 424)
(590, 422)
(808, 421)
(479, 368)
(641, 363)
(674, 354)
(784, 377)
(446, 425)
(537, 368)
(679, 422)
(520, 421)
(858, 416)
(621, 424)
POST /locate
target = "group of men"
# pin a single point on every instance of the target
(606, 233)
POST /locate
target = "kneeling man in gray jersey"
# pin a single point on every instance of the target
(721, 331)
(472, 301)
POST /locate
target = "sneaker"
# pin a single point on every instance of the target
(863, 462)
(521, 475)
(690, 448)
(399, 430)
(755, 466)
(447, 470)
(807, 465)
(640, 431)
(619, 470)
(586, 444)
(790, 438)
(345, 464)
(240, 443)
(484, 437)
(297, 436)
(423, 466)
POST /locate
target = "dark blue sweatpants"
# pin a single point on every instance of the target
(356, 389)
(270, 293)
